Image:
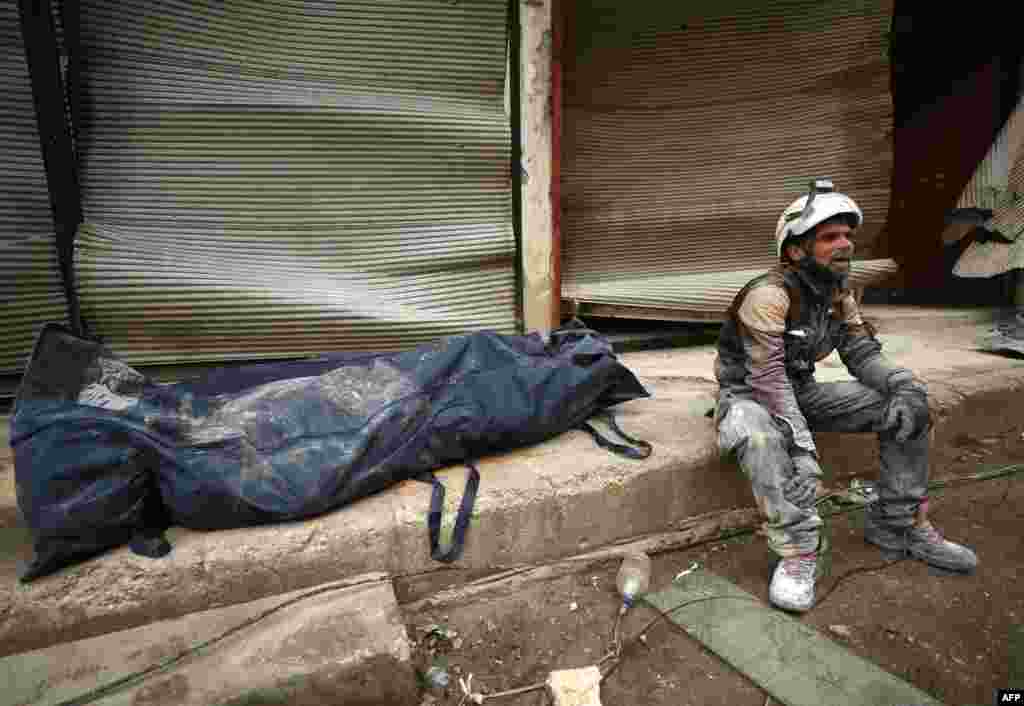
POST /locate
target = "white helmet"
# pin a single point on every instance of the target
(821, 203)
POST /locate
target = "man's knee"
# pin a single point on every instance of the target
(907, 413)
(747, 425)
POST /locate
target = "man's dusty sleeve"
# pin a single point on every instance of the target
(763, 315)
(861, 351)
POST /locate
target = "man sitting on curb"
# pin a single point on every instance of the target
(779, 324)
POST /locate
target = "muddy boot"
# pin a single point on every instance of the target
(792, 586)
(920, 540)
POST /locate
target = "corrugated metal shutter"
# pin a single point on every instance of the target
(690, 126)
(281, 178)
(30, 288)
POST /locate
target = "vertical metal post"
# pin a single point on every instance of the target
(43, 60)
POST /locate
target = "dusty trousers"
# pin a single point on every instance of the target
(762, 444)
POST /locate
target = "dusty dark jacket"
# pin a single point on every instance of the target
(779, 325)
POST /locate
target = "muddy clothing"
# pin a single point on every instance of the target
(779, 326)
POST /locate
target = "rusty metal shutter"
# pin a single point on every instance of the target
(31, 292)
(278, 178)
(690, 126)
(997, 186)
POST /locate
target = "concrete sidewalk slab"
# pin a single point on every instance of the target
(792, 661)
(338, 643)
(552, 500)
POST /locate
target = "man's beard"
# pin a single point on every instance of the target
(823, 275)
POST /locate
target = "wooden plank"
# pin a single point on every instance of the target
(628, 311)
(792, 661)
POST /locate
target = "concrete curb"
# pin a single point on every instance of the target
(557, 499)
(338, 643)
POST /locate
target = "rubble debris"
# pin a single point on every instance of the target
(841, 630)
(576, 687)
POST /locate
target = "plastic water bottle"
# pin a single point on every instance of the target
(633, 579)
(437, 676)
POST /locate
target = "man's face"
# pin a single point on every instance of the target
(832, 248)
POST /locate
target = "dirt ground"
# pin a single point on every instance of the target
(946, 634)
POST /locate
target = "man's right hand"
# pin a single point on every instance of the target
(802, 488)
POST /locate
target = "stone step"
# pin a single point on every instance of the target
(339, 643)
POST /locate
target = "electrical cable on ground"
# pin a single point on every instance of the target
(665, 615)
(854, 571)
(479, 698)
(615, 654)
(616, 637)
(138, 676)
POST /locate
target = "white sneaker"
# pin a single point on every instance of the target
(792, 586)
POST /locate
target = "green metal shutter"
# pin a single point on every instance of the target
(30, 288)
(275, 178)
(690, 126)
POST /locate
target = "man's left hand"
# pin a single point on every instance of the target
(908, 412)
